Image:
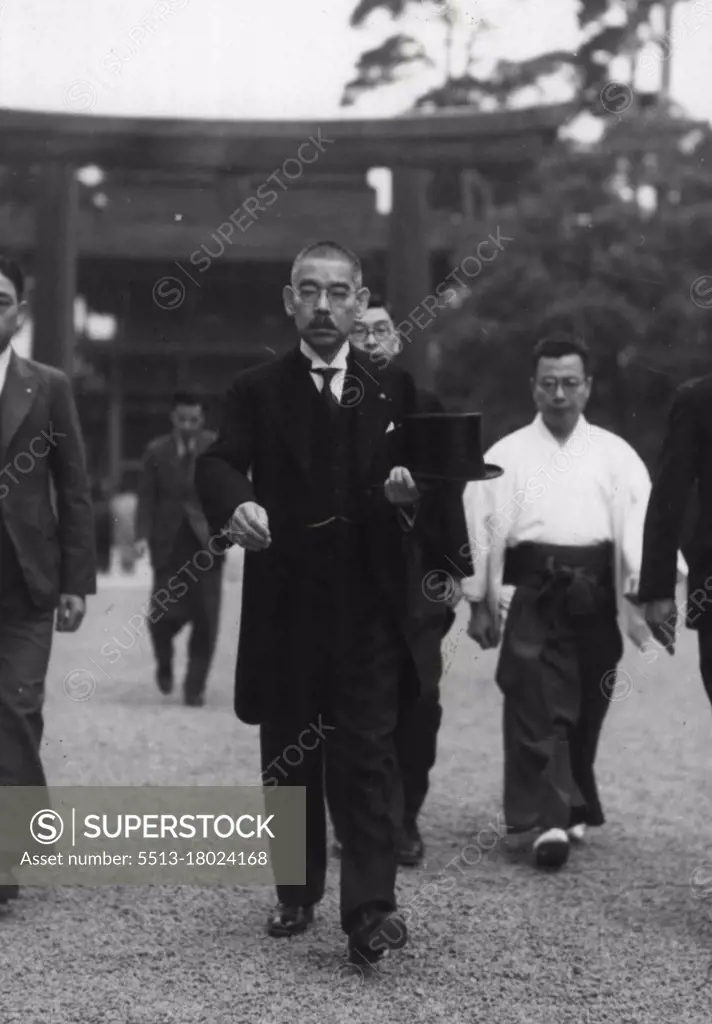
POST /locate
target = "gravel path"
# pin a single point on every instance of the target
(624, 934)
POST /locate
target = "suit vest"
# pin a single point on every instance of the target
(334, 465)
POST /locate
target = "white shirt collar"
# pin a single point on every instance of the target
(5, 358)
(183, 448)
(4, 365)
(339, 362)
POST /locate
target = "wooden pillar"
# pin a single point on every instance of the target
(409, 277)
(55, 267)
(115, 420)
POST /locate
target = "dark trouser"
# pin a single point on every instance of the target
(102, 521)
(342, 746)
(199, 606)
(704, 639)
(556, 672)
(416, 739)
(25, 646)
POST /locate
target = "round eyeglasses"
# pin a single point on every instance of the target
(569, 385)
(381, 331)
(336, 295)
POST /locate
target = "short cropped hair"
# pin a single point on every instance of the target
(188, 398)
(329, 248)
(13, 272)
(554, 346)
(378, 302)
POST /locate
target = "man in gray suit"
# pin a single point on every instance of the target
(47, 556)
(187, 566)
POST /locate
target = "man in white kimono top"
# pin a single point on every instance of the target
(556, 543)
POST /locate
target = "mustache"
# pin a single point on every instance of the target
(320, 323)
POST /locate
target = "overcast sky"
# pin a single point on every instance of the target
(267, 58)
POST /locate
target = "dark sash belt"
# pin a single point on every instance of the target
(575, 580)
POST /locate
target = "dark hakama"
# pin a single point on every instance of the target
(560, 647)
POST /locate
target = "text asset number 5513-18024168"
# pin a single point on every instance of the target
(210, 858)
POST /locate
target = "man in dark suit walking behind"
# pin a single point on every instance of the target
(416, 734)
(326, 624)
(47, 556)
(684, 472)
(172, 527)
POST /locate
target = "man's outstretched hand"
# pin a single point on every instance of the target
(249, 527)
(70, 612)
(661, 617)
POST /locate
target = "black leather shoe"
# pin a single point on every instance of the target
(376, 932)
(194, 700)
(9, 892)
(286, 921)
(410, 847)
(164, 680)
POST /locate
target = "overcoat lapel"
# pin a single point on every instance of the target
(374, 408)
(291, 402)
(18, 396)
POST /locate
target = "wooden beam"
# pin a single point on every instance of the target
(409, 268)
(274, 160)
(55, 267)
(446, 123)
(418, 140)
(197, 349)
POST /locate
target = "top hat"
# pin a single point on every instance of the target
(446, 446)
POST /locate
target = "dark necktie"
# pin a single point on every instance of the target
(187, 459)
(327, 395)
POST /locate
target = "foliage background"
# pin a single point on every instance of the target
(611, 238)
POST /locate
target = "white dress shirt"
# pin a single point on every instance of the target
(338, 363)
(4, 363)
(183, 448)
(592, 488)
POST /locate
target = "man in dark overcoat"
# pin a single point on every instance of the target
(416, 734)
(682, 484)
(307, 472)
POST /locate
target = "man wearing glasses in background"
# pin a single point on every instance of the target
(560, 533)
(374, 334)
